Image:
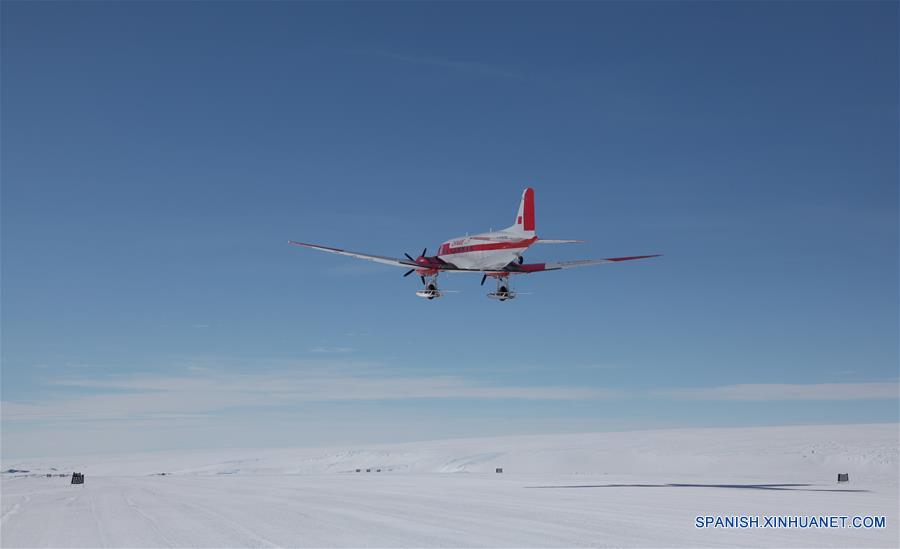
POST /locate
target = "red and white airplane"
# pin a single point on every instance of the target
(496, 254)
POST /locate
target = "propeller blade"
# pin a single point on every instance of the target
(410, 257)
(409, 272)
(483, 279)
(423, 281)
(424, 251)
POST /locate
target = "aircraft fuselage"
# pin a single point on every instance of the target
(485, 251)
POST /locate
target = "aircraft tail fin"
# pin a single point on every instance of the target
(525, 217)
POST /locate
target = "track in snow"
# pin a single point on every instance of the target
(423, 510)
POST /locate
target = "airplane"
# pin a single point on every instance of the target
(495, 254)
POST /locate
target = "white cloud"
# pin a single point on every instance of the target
(205, 391)
(323, 349)
(784, 391)
(208, 392)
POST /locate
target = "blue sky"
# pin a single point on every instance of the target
(156, 158)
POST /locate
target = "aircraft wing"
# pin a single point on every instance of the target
(512, 269)
(376, 258)
(538, 267)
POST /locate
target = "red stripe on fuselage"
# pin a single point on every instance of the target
(447, 250)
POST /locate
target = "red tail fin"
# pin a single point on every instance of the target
(525, 217)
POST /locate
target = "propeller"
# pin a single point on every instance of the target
(409, 272)
(482, 279)
(409, 257)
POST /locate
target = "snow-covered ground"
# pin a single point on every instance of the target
(642, 488)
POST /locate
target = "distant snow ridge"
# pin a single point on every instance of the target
(463, 464)
(796, 452)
